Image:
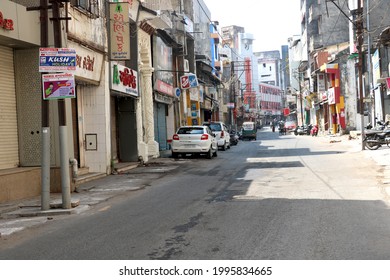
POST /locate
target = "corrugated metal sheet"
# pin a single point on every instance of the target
(9, 151)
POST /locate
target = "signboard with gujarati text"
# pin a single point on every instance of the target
(124, 79)
(119, 31)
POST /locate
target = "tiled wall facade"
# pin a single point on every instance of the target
(96, 120)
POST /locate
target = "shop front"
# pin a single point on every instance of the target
(163, 119)
(335, 102)
(89, 116)
(20, 110)
(163, 91)
(123, 98)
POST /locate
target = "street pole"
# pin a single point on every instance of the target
(64, 160)
(45, 136)
(359, 34)
(232, 91)
(369, 65)
(300, 97)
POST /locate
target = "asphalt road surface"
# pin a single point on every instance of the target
(280, 197)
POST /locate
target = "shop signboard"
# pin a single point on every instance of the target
(57, 59)
(6, 23)
(188, 81)
(89, 64)
(58, 86)
(124, 80)
(163, 87)
(321, 82)
(119, 31)
(194, 94)
(331, 96)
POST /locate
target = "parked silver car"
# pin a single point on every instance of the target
(194, 140)
(221, 134)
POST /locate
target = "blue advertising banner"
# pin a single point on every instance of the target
(57, 59)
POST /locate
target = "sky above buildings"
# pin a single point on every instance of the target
(271, 22)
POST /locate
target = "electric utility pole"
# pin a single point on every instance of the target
(45, 136)
(64, 159)
(359, 35)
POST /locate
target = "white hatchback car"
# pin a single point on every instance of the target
(221, 134)
(194, 140)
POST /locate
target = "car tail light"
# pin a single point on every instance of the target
(176, 137)
(204, 137)
(222, 134)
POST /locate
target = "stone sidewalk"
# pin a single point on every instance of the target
(381, 157)
(19, 215)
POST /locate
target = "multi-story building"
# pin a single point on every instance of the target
(234, 69)
(324, 39)
(271, 102)
(269, 73)
(268, 64)
(375, 69)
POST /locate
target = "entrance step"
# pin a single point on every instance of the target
(82, 171)
(81, 179)
(122, 167)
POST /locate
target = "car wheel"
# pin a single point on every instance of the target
(209, 154)
(229, 146)
(224, 147)
(175, 155)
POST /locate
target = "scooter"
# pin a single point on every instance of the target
(303, 130)
(374, 138)
(282, 129)
(234, 137)
(314, 130)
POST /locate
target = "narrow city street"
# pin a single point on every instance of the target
(280, 197)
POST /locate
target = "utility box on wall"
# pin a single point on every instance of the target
(91, 142)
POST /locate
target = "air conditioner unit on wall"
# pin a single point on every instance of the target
(186, 65)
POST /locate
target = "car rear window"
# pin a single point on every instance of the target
(215, 127)
(190, 130)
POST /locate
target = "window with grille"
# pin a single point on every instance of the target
(89, 6)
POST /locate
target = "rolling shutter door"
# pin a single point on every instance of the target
(9, 155)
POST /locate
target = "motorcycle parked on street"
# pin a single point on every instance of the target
(374, 138)
(303, 130)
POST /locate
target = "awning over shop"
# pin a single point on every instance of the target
(384, 37)
(209, 71)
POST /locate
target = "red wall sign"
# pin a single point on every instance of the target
(7, 24)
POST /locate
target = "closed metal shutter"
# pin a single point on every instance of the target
(9, 151)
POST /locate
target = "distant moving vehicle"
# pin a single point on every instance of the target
(234, 137)
(314, 130)
(222, 134)
(290, 125)
(282, 128)
(248, 130)
(194, 140)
